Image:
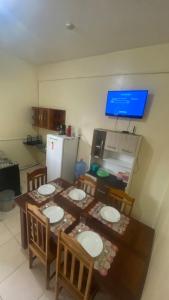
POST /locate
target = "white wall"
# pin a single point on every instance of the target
(80, 87)
(157, 286)
(18, 92)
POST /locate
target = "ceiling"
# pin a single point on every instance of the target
(35, 29)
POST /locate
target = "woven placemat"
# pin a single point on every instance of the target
(41, 198)
(82, 204)
(102, 263)
(119, 226)
(67, 220)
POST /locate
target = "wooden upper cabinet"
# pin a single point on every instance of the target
(43, 117)
(48, 118)
(56, 118)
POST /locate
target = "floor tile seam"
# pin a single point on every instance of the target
(12, 237)
(14, 271)
(11, 231)
(11, 212)
(3, 222)
(11, 217)
(6, 226)
(17, 240)
(41, 295)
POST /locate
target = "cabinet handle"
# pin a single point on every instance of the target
(112, 147)
(101, 146)
(102, 192)
(125, 150)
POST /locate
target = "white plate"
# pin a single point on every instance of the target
(77, 194)
(91, 242)
(110, 214)
(54, 213)
(46, 189)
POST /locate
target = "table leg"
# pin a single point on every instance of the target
(24, 241)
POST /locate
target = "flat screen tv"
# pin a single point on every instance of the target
(128, 104)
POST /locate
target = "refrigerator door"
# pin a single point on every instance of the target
(54, 155)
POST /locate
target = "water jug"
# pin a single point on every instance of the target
(80, 168)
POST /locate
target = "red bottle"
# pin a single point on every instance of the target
(69, 130)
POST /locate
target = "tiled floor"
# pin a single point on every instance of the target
(17, 281)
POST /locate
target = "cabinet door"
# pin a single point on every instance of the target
(98, 143)
(43, 117)
(128, 143)
(112, 141)
(56, 118)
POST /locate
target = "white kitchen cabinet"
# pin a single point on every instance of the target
(116, 152)
(122, 142)
(112, 141)
(129, 143)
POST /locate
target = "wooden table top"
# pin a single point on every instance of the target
(126, 277)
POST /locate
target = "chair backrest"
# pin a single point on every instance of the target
(121, 200)
(36, 178)
(74, 266)
(87, 184)
(38, 229)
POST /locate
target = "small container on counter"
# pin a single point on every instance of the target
(69, 130)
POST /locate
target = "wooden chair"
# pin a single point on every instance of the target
(36, 179)
(74, 269)
(87, 184)
(121, 200)
(38, 230)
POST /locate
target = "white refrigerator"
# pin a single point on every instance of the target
(61, 156)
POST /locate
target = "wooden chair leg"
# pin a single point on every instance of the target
(57, 290)
(30, 259)
(47, 275)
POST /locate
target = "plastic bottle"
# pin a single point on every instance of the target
(69, 131)
(80, 168)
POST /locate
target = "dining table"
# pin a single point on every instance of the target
(128, 242)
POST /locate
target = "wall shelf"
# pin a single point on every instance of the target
(33, 143)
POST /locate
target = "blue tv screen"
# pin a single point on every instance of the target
(129, 104)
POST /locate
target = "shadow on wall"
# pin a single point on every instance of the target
(40, 156)
(142, 166)
(141, 181)
(149, 216)
(148, 108)
(84, 150)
